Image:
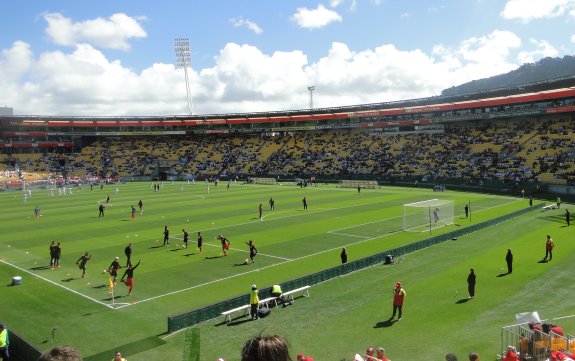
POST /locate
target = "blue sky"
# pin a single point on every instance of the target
(107, 57)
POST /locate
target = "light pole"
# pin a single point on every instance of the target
(311, 89)
(184, 60)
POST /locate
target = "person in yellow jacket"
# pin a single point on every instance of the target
(4, 355)
(277, 293)
(254, 301)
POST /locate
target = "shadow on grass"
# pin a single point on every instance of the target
(40, 268)
(241, 264)
(68, 279)
(213, 257)
(175, 249)
(463, 300)
(503, 274)
(387, 323)
(543, 261)
(115, 298)
(101, 286)
(189, 254)
(128, 349)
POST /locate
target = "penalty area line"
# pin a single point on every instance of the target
(56, 284)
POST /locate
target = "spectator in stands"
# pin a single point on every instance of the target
(343, 256)
(370, 354)
(511, 354)
(473, 356)
(471, 278)
(4, 354)
(398, 299)
(61, 353)
(547, 327)
(450, 357)
(266, 348)
(381, 354)
(118, 357)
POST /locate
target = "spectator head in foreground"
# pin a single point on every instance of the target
(450, 357)
(61, 353)
(266, 348)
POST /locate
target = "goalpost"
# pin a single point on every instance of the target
(427, 215)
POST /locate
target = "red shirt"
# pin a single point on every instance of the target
(398, 296)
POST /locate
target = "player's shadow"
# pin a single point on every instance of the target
(100, 286)
(39, 268)
(189, 254)
(240, 264)
(175, 250)
(543, 261)
(503, 274)
(387, 323)
(68, 279)
(213, 257)
(463, 300)
(160, 246)
(113, 298)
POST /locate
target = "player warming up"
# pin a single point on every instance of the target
(253, 250)
(200, 241)
(166, 236)
(225, 244)
(113, 269)
(186, 238)
(81, 262)
(129, 275)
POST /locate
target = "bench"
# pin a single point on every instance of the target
(266, 301)
(289, 294)
(228, 314)
(247, 308)
(549, 207)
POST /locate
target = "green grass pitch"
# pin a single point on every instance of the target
(342, 317)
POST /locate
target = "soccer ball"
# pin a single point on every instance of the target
(105, 271)
(246, 261)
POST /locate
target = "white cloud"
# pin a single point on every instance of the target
(315, 18)
(573, 38)
(405, 15)
(335, 3)
(245, 79)
(527, 10)
(543, 49)
(111, 33)
(239, 22)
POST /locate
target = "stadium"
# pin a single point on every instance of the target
(387, 182)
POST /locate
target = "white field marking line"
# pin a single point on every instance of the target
(207, 283)
(335, 231)
(237, 249)
(256, 270)
(56, 284)
(273, 212)
(345, 234)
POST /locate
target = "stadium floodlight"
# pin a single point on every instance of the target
(427, 215)
(184, 60)
(311, 89)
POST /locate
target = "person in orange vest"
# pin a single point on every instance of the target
(398, 298)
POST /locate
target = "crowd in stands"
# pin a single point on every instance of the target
(514, 152)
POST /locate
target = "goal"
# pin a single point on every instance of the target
(426, 215)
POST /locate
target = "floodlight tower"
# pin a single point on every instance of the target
(311, 89)
(184, 60)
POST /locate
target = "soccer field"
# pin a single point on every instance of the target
(291, 242)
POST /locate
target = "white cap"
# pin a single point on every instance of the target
(117, 257)
(254, 287)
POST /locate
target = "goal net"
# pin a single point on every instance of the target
(425, 215)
